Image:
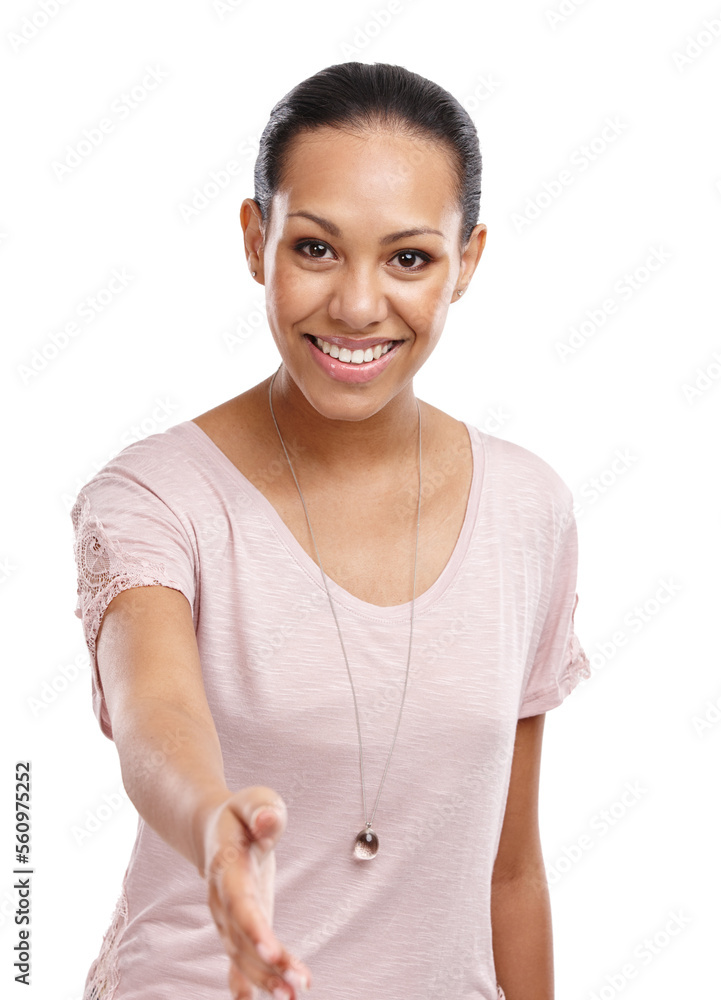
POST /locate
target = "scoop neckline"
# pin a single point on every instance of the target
(339, 594)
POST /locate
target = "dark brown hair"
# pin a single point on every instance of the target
(360, 95)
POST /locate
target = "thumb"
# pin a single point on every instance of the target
(264, 814)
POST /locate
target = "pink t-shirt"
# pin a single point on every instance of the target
(493, 642)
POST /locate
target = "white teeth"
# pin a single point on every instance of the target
(357, 357)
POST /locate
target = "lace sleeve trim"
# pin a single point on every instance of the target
(104, 976)
(105, 568)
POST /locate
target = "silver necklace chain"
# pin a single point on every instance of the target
(367, 834)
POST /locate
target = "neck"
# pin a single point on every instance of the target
(346, 448)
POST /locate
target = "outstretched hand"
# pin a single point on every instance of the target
(239, 841)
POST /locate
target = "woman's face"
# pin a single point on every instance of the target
(340, 265)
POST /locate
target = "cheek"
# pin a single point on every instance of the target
(290, 297)
(426, 314)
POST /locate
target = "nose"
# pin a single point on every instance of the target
(358, 299)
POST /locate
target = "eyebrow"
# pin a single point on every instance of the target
(331, 228)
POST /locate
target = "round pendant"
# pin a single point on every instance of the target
(366, 844)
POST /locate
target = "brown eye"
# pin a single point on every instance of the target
(315, 247)
(406, 257)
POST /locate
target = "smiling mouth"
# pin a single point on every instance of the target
(353, 357)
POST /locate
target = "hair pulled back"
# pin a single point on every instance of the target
(357, 96)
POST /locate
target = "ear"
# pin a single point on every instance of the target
(251, 219)
(471, 256)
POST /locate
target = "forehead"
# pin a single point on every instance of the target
(377, 175)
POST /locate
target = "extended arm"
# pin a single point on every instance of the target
(168, 747)
(172, 767)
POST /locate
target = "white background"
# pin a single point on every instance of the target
(539, 87)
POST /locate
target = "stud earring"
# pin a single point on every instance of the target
(252, 274)
(460, 291)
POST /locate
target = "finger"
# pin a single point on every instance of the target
(246, 925)
(240, 914)
(245, 975)
(269, 966)
(241, 987)
(262, 958)
(293, 971)
(287, 966)
(245, 912)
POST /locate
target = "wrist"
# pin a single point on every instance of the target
(204, 811)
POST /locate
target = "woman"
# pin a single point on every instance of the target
(325, 589)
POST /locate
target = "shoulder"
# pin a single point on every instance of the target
(509, 470)
(523, 481)
(525, 468)
(160, 465)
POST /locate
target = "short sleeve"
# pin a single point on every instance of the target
(125, 536)
(559, 663)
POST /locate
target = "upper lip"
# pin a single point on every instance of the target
(354, 345)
